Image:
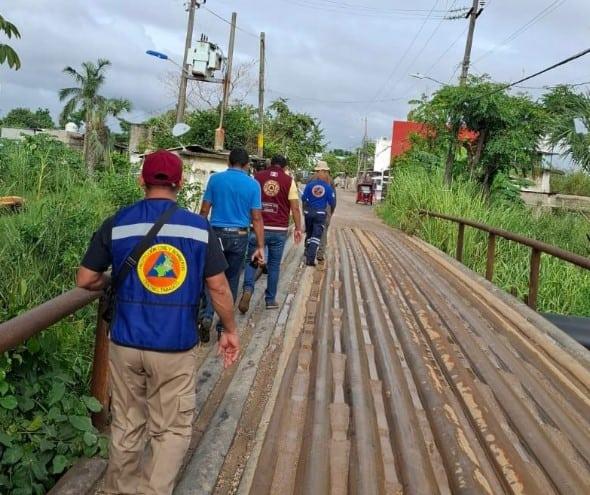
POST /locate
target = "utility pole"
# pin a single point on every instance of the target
(184, 72)
(473, 14)
(261, 96)
(362, 153)
(220, 132)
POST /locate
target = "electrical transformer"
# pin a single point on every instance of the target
(205, 59)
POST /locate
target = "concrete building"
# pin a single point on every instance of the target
(382, 155)
(74, 140)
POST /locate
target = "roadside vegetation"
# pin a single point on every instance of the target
(477, 176)
(576, 183)
(44, 401)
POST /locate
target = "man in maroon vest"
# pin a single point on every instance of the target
(280, 198)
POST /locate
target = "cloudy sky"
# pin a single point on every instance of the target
(338, 61)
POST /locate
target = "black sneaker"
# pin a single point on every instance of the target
(205, 330)
(272, 305)
(310, 263)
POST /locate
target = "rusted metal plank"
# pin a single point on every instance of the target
(415, 469)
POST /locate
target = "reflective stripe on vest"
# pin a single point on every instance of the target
(156, 305)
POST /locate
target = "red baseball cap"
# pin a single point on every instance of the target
(162, 168)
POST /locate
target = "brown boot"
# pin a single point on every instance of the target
(244, 305)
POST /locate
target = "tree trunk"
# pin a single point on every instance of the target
(481, 142)
(488, 180)
(85, 149)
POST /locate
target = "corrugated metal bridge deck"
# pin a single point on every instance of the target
(414, 376)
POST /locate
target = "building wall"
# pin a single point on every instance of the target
(382, 155)
(402, 130)
(70, 139)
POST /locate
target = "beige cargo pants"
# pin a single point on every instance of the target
(153, 407)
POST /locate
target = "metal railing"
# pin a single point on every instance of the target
(16, 331)
(537, 248)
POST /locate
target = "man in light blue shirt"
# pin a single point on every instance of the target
(234, 200)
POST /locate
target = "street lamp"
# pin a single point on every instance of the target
(418, 75)
(163, 56)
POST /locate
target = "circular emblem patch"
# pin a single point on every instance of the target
(318, 191)
(271, 188)
(162, 269)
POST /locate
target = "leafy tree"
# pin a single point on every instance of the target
(96, 108)
(24, 118)
(240, 123)
(564, 106)
(7, 54)
(297, 135)
(508, 127)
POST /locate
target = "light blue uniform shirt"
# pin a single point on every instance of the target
(232, 194)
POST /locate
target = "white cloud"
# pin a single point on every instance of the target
(335, 55)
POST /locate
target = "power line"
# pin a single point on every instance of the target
(536, 74)
(229, 22)
(336, 7)
(448, 49)
(319, 100)
(417, 56)
(405, 54)
(554, 5)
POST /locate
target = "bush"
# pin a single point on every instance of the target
(576, 183)
(44, 385)
(564, 288)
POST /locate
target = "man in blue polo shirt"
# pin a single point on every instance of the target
(234, 200)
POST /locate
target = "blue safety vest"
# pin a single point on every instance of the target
(156, 305)
(317, 195)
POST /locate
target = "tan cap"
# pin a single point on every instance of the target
(321, 166)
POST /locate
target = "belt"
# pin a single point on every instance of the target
(233, 230)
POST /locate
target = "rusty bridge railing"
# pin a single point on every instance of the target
(17, 330)
(537, 248)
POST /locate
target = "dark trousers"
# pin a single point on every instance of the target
(315, 222)
(234, 249)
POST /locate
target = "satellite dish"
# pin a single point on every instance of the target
(180, 129)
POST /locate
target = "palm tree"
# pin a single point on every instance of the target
(564, 107)
(7, 54)
(95, 108)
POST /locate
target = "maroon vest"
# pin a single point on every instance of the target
(275, 185)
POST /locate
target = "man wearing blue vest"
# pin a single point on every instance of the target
(317, 196)
(234, 200)
(153, 329)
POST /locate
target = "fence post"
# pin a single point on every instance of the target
(99, 386)
(491, 257)
(460, 237)
(534, 278)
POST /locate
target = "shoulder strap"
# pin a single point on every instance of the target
(142, 246)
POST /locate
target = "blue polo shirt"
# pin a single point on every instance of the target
(232, 194)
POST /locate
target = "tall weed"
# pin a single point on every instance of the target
(564, 288)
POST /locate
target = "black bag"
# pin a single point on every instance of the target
(132, 260)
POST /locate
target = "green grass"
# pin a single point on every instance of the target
(44, 408)
(564, 288)
(575, 183)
